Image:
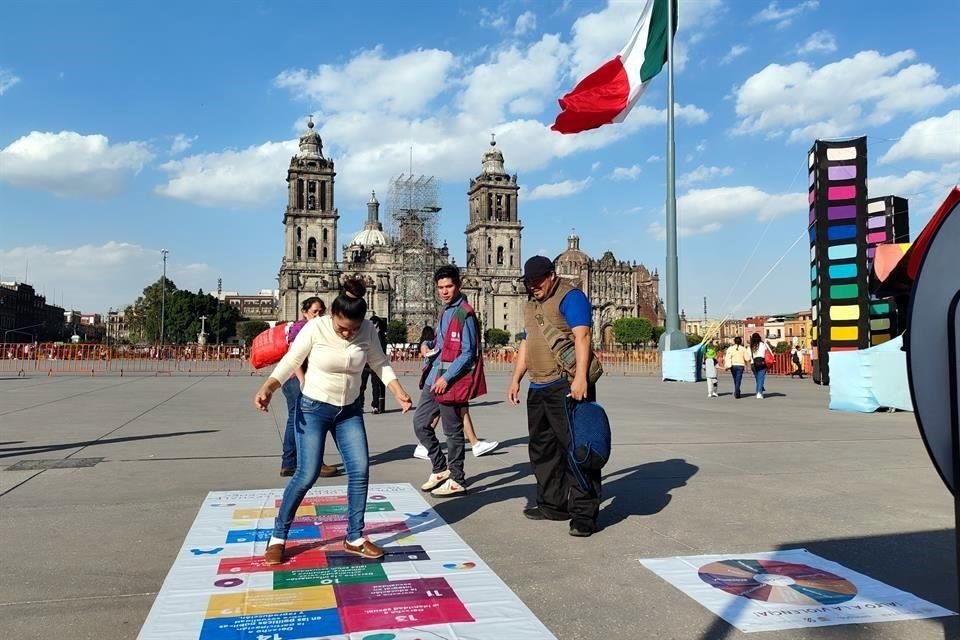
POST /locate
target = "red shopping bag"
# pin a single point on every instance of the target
(269, 346)
(768, 358)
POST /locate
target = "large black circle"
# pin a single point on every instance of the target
(928, 360)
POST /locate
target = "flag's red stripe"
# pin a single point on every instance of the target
(596, 100)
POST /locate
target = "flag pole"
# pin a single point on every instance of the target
(672, 337)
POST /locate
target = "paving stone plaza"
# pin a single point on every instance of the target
(89, 541)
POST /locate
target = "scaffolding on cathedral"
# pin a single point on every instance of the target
(413, 208)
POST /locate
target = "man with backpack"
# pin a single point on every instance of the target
(556, 353)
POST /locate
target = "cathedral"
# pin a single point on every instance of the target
(396, 268)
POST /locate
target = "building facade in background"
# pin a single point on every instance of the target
(25, 315)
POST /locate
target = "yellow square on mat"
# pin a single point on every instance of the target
(229, 605)
(270, 512)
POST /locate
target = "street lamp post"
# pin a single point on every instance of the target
(163, 295)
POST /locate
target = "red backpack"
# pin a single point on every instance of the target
(471, 383)
(269, 346)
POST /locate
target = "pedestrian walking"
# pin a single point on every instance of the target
(557, 320)
(452, 375)
(735, 360)
(758, 355)
(796, 357)
(378, 403)
(311, 308)
(338, 345)
(710, 371)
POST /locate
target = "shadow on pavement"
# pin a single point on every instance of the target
(643, 490)
(921, 563)
(10, 452)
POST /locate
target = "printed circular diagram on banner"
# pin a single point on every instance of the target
(777, 582)
(928, 361)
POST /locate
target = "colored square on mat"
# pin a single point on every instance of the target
(842, 212)
(329, 576)
(842, 232)
(841, 153)
(297, 557)
(399, 604)
(840, 271)
(844, 291)
(297, 625)
(248, 603)
(880, 324)
(842, 252)
(877, 237)
(399, 553)
(876, 222)
(845, 312)
(372, 507)
(267, 512)
(309, 532)
(876, 308)
(311, 501)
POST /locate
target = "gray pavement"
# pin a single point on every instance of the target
(86, 549)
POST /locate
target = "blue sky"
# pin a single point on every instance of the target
(126, 128)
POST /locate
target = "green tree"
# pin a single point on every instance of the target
(656, 333)
(497, 337)
(632, 331)
(250, 329)
(397, 332)
(693, 339)
(520, 336)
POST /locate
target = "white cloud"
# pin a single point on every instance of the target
(181, 143)
(868, 89)
(526, 21)
(243, 178)
(85, 166)
(819, 42)
(783, 17)
(404, 84)
(556, 189)
(494, 19)
(95, 277)
(736, 51)
(595, 166)
(702, 211)
(652, 159)
(7, 80)
(914, 182)
(626, 173)
(703, 173)
(936, 138)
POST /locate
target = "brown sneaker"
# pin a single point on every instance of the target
(328, 471)
(274, 554)
(365, 549)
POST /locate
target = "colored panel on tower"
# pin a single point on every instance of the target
(838, 249)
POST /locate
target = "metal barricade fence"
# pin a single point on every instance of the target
(93, 359)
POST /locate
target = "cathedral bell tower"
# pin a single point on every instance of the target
(493, 233)
(310, 227)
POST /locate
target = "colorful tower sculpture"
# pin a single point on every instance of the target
(838, 249)
(888, 220)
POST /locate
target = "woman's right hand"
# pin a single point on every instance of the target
(262, 400)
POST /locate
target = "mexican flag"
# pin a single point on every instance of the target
(608, 94)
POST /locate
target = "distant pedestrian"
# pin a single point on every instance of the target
(796, 357)
(310, 308)
(378, 403)
(339, 345)
(758, 354)
(735, 360)
(710, 371)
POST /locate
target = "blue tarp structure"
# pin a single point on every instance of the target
(869, 379)
(683, 365)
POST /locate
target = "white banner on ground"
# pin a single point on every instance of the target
(429, 585)
(789, 589)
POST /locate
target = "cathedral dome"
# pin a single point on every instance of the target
(572, 257)
(311, 146)
(370, 238)
(493, 160)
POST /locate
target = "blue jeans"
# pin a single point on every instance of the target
(291, 393)
(761, 376)
(737, 373)
(314, 420)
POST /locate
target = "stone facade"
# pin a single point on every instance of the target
(493, 250)
(616, 288)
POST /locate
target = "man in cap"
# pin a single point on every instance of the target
(554, 302)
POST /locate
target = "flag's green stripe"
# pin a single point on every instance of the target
(655, 53)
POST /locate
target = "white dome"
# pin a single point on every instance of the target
(370, 238)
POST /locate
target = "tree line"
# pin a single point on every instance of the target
(183, 310)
